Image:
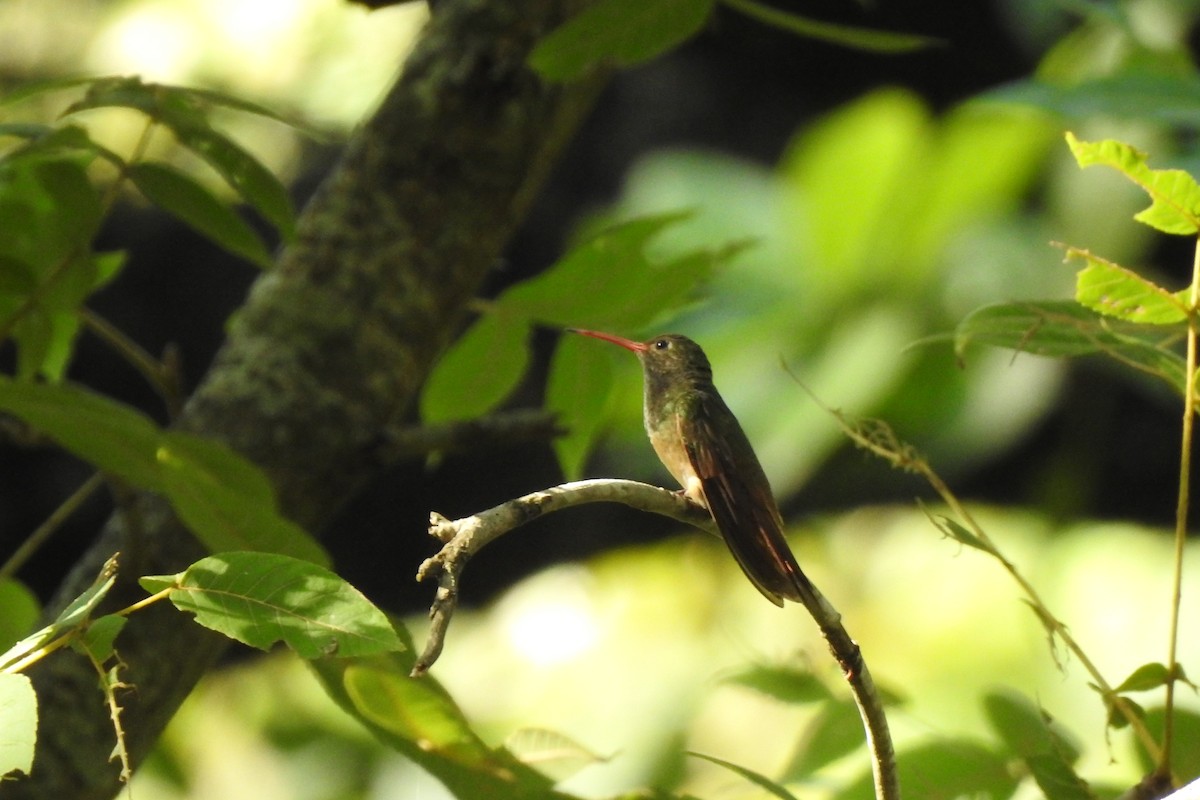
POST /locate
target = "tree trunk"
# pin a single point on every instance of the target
(330, 346)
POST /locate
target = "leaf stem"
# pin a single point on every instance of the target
(145, 601)
(158, 374)
(1163, 767)
(878, 438)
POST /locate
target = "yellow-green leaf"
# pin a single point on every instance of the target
(263, 598)
(1174, 194)
(1118, 292)
(226, 501)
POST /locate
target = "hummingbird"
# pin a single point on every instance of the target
(699, 441)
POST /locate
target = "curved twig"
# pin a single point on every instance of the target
(463, 538)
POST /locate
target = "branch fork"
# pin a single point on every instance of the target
(463, 538)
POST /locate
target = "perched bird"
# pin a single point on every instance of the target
(701, 444)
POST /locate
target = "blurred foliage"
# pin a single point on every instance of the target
(858, 236)
(881, 229)
(765, 697)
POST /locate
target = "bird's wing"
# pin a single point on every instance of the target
(744, 510)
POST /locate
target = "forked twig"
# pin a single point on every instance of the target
(463, 538)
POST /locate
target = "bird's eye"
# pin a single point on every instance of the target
(662, 344)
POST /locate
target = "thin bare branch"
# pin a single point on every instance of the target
(463, 538)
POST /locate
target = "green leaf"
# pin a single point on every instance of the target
(1031, 734)
(550, 752)
(610, 281)
(80, 609)
(19, 611)
(157, 583)
(1175, 195)
(35, 88)
(1118, 292)
(173, 105)
(1185, 760)
(18, 724)
(945, 770)
(1065, 328)
(218, 98)
(617, 33)
(955, 530)
(844, 35)
(834, 732)
(103, 432)
(256, 184)
(1025, 728)
(406, 707)
(98, 637)
(759, 780)
(25, 130)
(420, 720)
(180, 195)
(1116, 717)
(478, 371)
(1144, 678)
(577, 391)
(1132, 95)
(263, 598)
(226, 500)
(786, 684)
(73, 616)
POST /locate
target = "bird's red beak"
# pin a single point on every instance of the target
(628, 344)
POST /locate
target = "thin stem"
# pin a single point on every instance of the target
(153, 370)
(462, 538)
(1163, 767)
(879, 439)
(50, 526)
(145, 601)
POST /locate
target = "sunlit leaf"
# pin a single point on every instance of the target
(577, 390)
(408, 707)
(73, 616)
(185, 198)
(613, 281)
(1118, 292)
(263, 598)
(19, 610)
(226, 501)
(1175, 195)
(617, 33)
(478, 371)
(1144, 678)
(108, 434)
(18, 734)
(844, 35)
(419, 719)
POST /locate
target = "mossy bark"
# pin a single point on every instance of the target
(330, 347)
